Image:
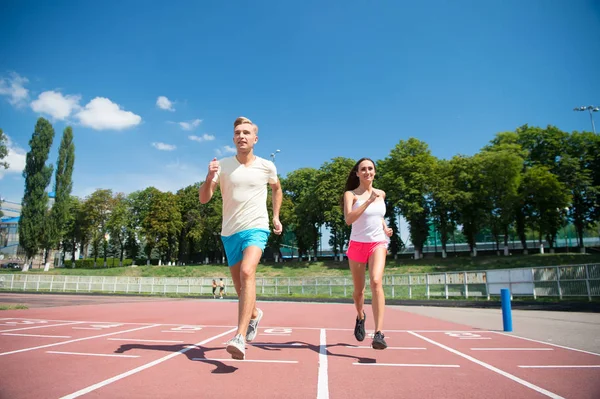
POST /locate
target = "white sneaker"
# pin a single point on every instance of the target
(236, 347)
(253, 326)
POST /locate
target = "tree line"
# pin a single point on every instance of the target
(531, 180)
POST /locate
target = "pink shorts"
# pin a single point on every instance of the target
(361, 251)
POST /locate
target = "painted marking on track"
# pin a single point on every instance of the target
(512, 349)
(323, 381)
(407, 365)
(490, 367)
(37, 335)
(89, 354)
(567, 366)
(205, 359)
(408, 348)
(284, 345)
(463, 335)
(25, 322)
(44, 326)
(76, 340)
(86, 328)
(141, 368)
(475, 338)
(145, 340)
(548, 343)
(183, 329)
(276, 331)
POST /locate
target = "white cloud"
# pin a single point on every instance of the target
(163, 146)
(103, 114)
(15, 158)
(204, 137)
(163, 102)
(225, 150)
(56, 105)
(13, 87)
(191, 125)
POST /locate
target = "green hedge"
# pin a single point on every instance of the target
(89, 263)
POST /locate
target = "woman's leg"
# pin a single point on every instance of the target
(376, 267)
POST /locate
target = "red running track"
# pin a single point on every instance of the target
(158, 349)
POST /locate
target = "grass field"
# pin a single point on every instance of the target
(330, 268)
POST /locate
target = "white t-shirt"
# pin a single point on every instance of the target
(244, 192)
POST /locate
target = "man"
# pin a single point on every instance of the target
(221, 289)
(243, 179)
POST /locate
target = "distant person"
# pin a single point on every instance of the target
(221, 289)
(243, 180)
(214, 288)
(364, 209)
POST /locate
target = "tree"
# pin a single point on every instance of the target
(162, 224)
(3, 150)
(472, 199)
(502, 166)
(192, 223)
(329, 192)
(405, 177)
(576, 168)
(118, 222)
(35, 199)
(547, 199)
(97, 209)
(63, 186)
(300, 185)
(443, 201)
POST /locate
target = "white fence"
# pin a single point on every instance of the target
(553, 281)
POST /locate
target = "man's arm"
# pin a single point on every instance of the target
(277, 199)
(207, 189)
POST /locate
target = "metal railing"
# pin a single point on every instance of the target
(555, 281)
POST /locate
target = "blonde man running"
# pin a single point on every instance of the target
(243, 179)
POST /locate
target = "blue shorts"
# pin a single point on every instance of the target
(235, 244)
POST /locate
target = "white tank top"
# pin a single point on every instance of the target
(369, 226)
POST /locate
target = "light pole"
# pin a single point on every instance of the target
(273, 155)
(591, 109)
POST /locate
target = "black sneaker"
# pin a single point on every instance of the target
(379, 341)
(359, 328)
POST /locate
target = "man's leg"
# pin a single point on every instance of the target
(235, 271)
(243, 275)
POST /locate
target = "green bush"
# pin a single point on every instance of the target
(89, 263)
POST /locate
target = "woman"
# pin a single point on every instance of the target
(214, 287)
(364, 209)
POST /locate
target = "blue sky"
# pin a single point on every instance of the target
(321, 79)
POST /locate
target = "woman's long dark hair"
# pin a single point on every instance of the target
(353, 181)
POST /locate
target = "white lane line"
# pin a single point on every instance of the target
(146, 340)
(37, 335)
(44, 326)
(143, 367)
(77, 340)
(492, 368)
(205, 359)
(406, 348)
(89, 354)
(86, 328)
(185, 332)
(565, 366)
(407, 365)
(548, 343)
(475, 338)
(512, 349)
(323, 382)
(275, 345)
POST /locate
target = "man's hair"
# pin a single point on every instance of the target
(242, 119)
